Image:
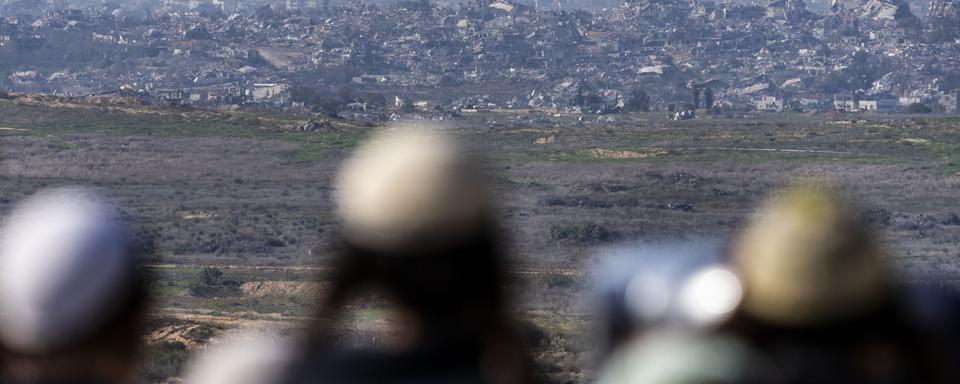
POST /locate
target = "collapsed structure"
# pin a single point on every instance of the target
(371, 61)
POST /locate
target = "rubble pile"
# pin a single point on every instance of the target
(381, 61)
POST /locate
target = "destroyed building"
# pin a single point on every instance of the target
(506, 53)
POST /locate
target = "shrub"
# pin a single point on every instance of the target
(639, 101)
(583, 233)
(575, 201)
(560, 280)
(949, 218)
(918, 108)
(164, 360)
(211, 283)
(210, 276)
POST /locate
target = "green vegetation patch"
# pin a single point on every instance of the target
(314, 145)
(51, 122)
(948, 155)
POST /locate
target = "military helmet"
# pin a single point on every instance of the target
(807, 258)
(409, 187)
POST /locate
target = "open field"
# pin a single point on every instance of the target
(248, 194)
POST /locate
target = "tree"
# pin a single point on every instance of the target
(639, 101)
(306, 95)
(346, 94)
(708, 98)
(211, 276)
(864, 70)
(950, 80)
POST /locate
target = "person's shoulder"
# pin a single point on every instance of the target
(363, 366)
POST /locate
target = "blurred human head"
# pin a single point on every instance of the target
(680, 357)
(244, 356)
(410, 190)
(651, 285)
(71, 291)
(417, 223)
(418, 226)
(806, 258)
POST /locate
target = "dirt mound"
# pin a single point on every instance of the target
(601, 153)
(192, 335)
(311, 125)
(545, 140)
(118, 101)
(280, 288)
(913, 140)
(96, 100)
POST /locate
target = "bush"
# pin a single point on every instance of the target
(276, 243)
(575, 201)
(583, 233)
(211, 283)
(210, 276)
(639, 101)
(918, 108)
(568, 281)
(164, 360)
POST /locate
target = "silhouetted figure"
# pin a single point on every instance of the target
(72, 295)
(419, 227)
(820, 300)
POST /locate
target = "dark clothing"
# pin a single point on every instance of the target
(453, 289)
(880, 347)
(428, 365)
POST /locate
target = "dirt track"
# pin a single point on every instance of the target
(521, 271)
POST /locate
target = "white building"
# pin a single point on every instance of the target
(880, 105)
(950, 102)
(769, 104)
(268, 91)
(846, 102)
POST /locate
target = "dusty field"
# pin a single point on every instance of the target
(245, 194)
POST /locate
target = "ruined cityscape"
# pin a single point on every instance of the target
(546, 183)
(418, 58)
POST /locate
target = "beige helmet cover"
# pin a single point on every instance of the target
(409, 187)
(64, 268)
(806, 258)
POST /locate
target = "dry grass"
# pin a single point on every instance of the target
(254, 195)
